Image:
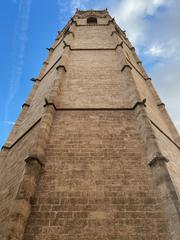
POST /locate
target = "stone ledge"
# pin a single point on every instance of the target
(142, 103)
(98, 13)
(148, 79)
(126, 66)
(74, 21)
(139, 62)
(50, 49)
(61, 66)
(35, 79)
(67, 45)
(119, 45)
(47, 103)
(31, 158)
(114, 32)
(158, 157)
(92, 49)
(161, 104)
(5, 147)
(45, 63)
(70, 32)
(25, 105)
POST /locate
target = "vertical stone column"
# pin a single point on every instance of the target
(158, 162)
(155, 159)
(21, 206)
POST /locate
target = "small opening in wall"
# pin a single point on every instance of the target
(92, 20)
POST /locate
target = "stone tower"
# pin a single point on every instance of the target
(93, 154)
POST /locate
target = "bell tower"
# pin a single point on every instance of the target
(94, 153)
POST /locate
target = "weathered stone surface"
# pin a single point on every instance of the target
(96, 181)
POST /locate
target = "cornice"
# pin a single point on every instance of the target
(97, 13)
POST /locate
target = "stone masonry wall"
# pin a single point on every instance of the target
(94, 79)
(96, 183)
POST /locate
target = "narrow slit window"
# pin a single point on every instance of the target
(92, 20)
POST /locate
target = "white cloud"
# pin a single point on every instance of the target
(130, 14)
(155, 51)
(18, 49)
(9, 122)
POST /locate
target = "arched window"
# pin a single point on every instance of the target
(92, 20)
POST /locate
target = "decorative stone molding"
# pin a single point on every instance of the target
(32, 158)
(119, 45)
(47, 103)
(141, 103)
(161, 104)
(67, 45)
(114, 32)
(50, 49)
(61, 66)
(126, 66)
(93, 49)
(139, 62)
(35, 79)
(70, 32)
(111, 21)
(45, 63)
(84, 14)
(25, 105)
(74, 21)
(157, 157)
(138, 103)
(148, 79)
(5, 147)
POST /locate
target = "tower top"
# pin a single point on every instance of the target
(84, 13)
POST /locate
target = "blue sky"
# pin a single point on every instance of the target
(28, 27)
